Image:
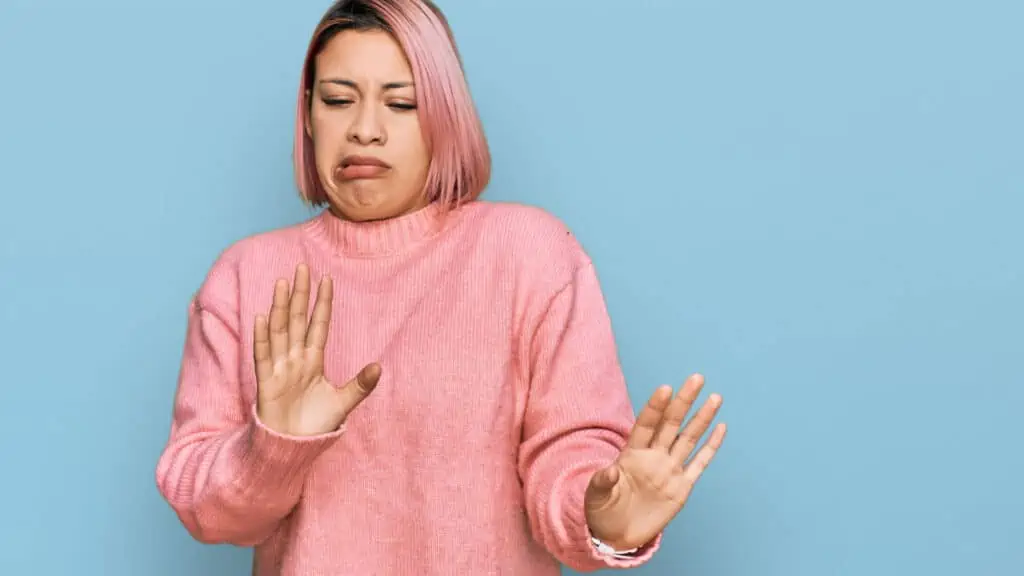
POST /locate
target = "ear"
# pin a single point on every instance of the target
(309, 109)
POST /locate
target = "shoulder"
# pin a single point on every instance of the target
(522, 215)
(531, 236)
(530, 250)
(247, 256)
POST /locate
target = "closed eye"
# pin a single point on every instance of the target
(401, 106)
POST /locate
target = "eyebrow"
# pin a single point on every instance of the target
(351, 84)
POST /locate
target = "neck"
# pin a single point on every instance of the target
(371, 238)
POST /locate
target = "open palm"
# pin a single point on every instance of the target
(294, 396)
(631, 501)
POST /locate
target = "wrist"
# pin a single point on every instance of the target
(618, 551)
(609, 543)
(270, 420)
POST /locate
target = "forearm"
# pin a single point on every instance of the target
(578, 418)
(556, 484)
(235, 486)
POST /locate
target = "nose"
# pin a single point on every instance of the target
(366, 127)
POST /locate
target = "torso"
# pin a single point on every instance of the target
(425, 478)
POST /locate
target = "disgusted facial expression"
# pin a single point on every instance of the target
(371, 156)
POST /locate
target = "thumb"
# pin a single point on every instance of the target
(602, 483)
(357, 389)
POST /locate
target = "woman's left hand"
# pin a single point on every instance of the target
(632, 500)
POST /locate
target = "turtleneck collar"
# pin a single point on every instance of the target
(378, 237)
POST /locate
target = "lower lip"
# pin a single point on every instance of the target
(356, 171)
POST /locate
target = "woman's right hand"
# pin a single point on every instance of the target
(294, 396)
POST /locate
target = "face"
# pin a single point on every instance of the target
(370, 151)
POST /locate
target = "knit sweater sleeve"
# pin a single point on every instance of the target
(578, 418)
(229, 478)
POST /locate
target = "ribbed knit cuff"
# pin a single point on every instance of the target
(276, 464)
(641, 556)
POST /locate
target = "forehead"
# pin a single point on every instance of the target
(364, 56)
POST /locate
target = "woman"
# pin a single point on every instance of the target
(485, 426)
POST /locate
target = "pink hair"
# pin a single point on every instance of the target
(460, 164)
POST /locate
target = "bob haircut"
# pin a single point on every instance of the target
(460, 163)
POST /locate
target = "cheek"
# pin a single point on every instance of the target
(328, 138)
(414, 150)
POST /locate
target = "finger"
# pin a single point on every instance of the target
(357, 389)
(279, 321)
(261, 349)
(676, 412)
(298, 308)
(695, 428)
(703, 458)
(320, 324)
(649, 418)
(605, 479)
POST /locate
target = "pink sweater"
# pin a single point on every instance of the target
(501, 394)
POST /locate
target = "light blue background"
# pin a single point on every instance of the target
(817, 204)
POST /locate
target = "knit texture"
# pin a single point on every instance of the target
(501, 395)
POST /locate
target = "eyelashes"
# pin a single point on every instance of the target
(343, 102)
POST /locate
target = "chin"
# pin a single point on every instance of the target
(365, 205)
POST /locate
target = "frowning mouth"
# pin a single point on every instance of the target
(354, 167)
(353, 160)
